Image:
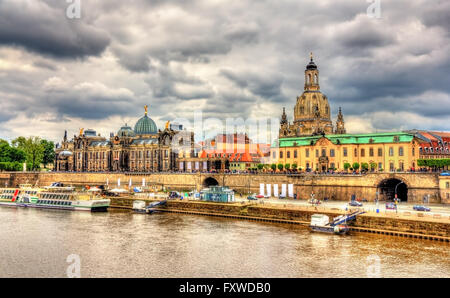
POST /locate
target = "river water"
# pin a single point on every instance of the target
(37, 243)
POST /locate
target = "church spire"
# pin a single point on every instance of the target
(311, 75)
(284, 117)
(340, 124)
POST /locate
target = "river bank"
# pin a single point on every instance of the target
(430, 228)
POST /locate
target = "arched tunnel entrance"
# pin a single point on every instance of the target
(386, 190)
(210, 181)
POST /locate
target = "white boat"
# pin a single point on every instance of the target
(139, 206)
(52, 198)
(321, 223)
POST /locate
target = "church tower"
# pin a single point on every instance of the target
(340, 128)
(312, 110)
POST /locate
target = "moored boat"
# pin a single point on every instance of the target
(140, 206)
(321, 223)
(63, 198)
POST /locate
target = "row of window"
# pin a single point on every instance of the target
(148, 154)
(436, 150)
(116, 154)
(54, 196)
(57, 203)
(6, 197)
(332, 153)
(392, 168)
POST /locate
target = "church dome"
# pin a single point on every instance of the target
(125, 131)
(145, 126)
(311, 65)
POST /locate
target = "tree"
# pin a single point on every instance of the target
(347, 166)
(373, 166)
(11, 159)
(273, 167)
(364, 166)
(287, 166)
(280, 166)
(355, 166)
(49, 152)
(294, 166)
(33, 149)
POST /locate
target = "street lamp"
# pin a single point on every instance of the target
(396, 199)
(396, 188)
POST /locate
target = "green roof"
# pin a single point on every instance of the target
(145, 126)
(371, 138)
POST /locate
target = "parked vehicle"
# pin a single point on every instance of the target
(252, 198)
(259, 196)
(391, 205)
(421, 208)
(355, 204)
(174, 195)
(314, 201)
(445, 173)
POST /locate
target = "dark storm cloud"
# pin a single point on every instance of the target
(44, 29)
(167, 82)
(265, 85)
(228, 58)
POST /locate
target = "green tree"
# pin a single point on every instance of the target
(364, 166)
(33, 149)
(273, 167)
(347, 166)
(10, 154)
(280, 166)
(49, 152)
(294, 166)
(355, 166)
(373, 166)
(287, 166)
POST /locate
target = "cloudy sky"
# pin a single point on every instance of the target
(233, 58)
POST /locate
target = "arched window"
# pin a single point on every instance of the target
(309, 78)
(316, 79)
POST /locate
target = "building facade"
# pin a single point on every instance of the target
(225, 153)
(312, 143)
(397, 151)
(142, 149)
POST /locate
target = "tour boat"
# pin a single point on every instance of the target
(52, 198)
(8, 196)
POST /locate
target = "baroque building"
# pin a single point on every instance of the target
(312, 113)
(142, 149)
(311, 142)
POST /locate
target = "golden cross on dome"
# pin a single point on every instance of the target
(146, 109)
(311, 55)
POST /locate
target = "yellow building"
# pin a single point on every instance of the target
(311, 142)
(393, 151)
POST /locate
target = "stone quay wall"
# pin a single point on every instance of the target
(424, 226)
(337, 187)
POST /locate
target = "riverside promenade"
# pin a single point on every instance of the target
(420, 226)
